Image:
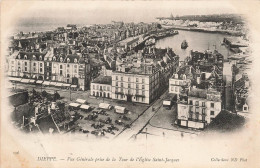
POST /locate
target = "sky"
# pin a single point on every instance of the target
(105, 11)
(47, 15)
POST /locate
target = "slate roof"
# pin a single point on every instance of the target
(103, 80)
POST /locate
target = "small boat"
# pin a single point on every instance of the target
(184, 44)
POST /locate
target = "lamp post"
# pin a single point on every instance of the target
(70, 93)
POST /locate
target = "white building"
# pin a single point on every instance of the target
(199, 108)
(101, 86)
(136, 84)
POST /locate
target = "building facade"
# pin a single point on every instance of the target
(198, 108)
(136, 86)
(101, 87)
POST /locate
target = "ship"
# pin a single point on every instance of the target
(184, 44)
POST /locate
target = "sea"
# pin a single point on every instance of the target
(197, 41)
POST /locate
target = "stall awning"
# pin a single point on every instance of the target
(66, 84)
(25, 80)
(82, 101)
(58, 84)
(32, 80)
(84, 106)
(167, 103)
(39, 81)
(53, 83)
(104, 105)
(120, 109)
(74, 104)
(47, 83)
(14, 79)
(73, 86)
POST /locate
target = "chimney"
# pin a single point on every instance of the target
(198, 79)
(176, 76)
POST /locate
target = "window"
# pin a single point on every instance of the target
(142, 86)
(93, 86)
(190, 115)
(75, 69)
(40, 67)
(104, 88)
(203, 104)
(122, 84)
(245, 108)
(121, 78)
(48, 63)
(212, 105)
(75, 60)
(129, 85)
(100, 87)
(137, 80)
(197, 103)
(116, 77)
(180, 82)
(137, 86)
(116, 83)
(176, 89)
(142, 80)
(203, 118)
(128, 79)
(211, 112)
(172, 88)
(197, 116)
(24, 63)
(191, 102)
(137, 92)
(143, 93)
(108, 88)
(34, 64)
(122, 90)
(40, 57)
(60, 66)
(176, 82)
(203, 111)
(25, 57)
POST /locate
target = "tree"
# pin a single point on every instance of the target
(56, 96)
(159, 26)
(44, 93)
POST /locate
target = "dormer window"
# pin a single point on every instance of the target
(54, 58)
(40, 57)
(34, 57)
(68, 60)
(19, 56)
(75, 60)
(61, 59)
(25, 57)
